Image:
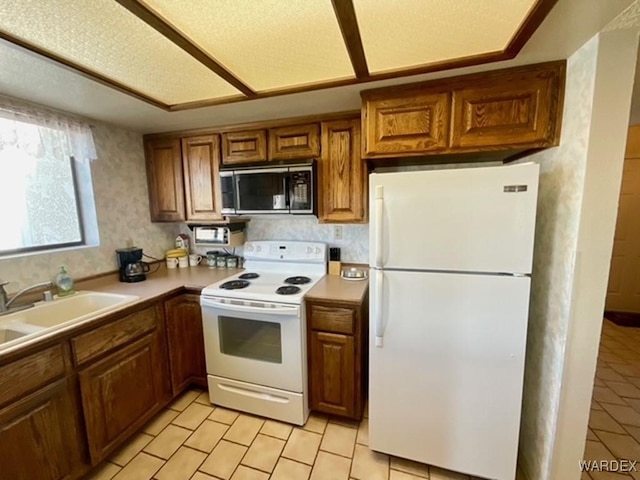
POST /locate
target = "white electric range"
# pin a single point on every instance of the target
(255, 331)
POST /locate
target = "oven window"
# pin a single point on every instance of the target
(256, 340)
(262, 191)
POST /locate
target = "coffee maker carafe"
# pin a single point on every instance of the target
(130, 264)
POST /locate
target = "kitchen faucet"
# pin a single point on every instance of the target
(5, 302)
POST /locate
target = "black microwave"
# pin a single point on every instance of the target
(284, 189)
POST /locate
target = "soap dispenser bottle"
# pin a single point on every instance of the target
(64, 282)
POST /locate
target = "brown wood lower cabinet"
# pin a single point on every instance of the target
(185, 340)
(337, 357)
(40, 437)
(121, 392)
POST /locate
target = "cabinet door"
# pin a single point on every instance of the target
(121, 392)
(410, 124)
(299, 141)
(186, 342)
(343, 174)
(39, 436)
(513, 109)
(244, 147)
(201, 160)
(164, 175)
(332, 373)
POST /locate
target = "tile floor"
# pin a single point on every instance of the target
(192, 439)
(614, 425)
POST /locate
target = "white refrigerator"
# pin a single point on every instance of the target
(450, 256)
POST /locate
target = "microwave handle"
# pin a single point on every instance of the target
(287, 193)
(236, 192)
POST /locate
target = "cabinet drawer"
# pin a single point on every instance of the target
(23, 376)
(332, 319)
(101, 340)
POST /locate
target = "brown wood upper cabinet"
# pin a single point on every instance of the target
(201, 162)
(244, 147)
(342, 174)
(184, 182)
(185, 340)
(299, 141)
(164, 176)
(514, 109)
(408, 122)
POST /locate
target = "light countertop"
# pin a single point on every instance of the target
(164, 282)
(332, 287)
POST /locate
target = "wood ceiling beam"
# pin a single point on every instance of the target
(530, 24)
(151, 18)
(346, 15)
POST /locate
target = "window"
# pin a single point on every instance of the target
(43, 181)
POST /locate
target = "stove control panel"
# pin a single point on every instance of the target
(286, 251)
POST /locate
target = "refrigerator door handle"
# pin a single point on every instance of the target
(379, 229)
(377, 314)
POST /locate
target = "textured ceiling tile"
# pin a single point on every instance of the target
(403, 33)
(106, 38)
(268, 44)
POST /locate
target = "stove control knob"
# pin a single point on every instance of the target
(308, 250)
(316, 250)
(258, 248)
(249, 247)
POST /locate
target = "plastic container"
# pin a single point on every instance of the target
(64, 282)
(221, 260)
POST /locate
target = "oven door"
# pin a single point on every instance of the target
(255, 342)
(262, 190)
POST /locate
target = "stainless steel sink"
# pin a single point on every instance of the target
(47, 317)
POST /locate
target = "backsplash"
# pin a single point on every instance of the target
(122, 207)
(354, 242)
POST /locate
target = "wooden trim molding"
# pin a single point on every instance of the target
(346, 16)
(148, 16)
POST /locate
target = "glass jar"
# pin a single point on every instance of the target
(232, 261)
(212, 259)
(221, 260)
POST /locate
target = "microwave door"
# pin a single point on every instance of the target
(228, 193)
(261, 191)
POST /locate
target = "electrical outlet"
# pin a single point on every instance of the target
(337, 232)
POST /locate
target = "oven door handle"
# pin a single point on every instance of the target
(220, 305)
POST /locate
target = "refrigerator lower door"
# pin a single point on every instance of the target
(445, 384)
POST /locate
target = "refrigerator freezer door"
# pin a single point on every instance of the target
(470, 219)
(445, 387)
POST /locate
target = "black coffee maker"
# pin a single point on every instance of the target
(132, 268)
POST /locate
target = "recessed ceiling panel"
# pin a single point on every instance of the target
(102, 36)
(400, 34)
(268, 44)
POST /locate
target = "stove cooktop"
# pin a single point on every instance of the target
(276, 271)
(268, 287)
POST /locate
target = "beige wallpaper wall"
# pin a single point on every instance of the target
(122, 207)
(562, 172)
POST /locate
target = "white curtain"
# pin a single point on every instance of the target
(76, 139)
